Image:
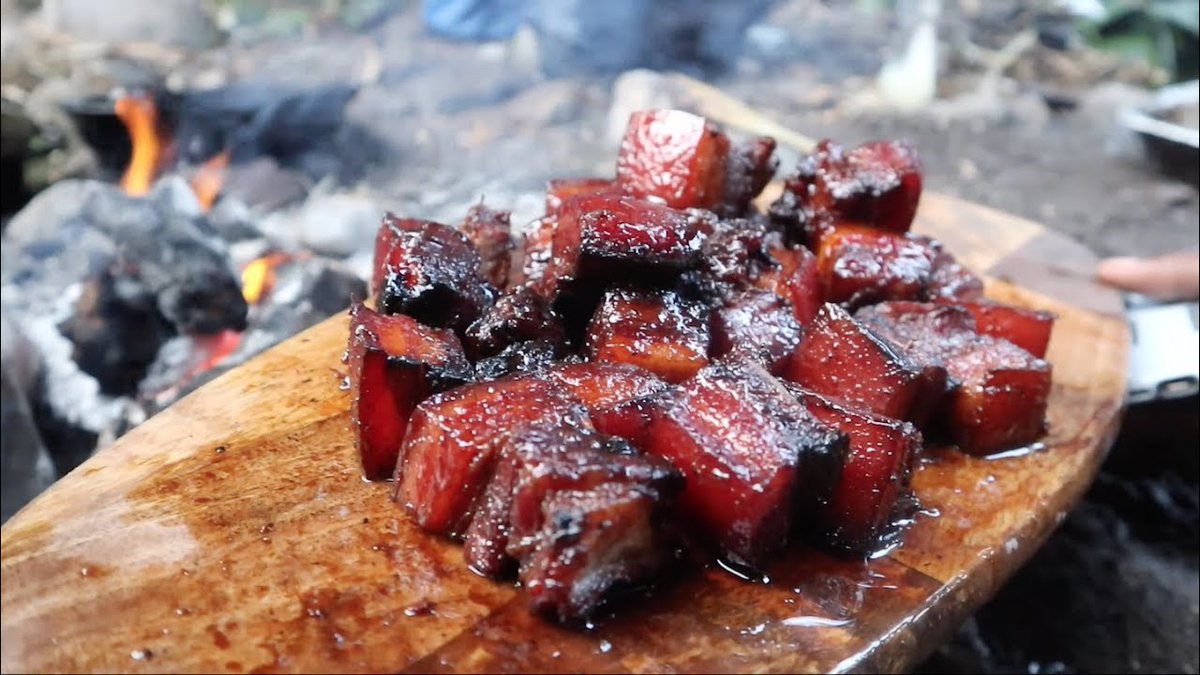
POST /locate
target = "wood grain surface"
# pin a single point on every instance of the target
(233, 533)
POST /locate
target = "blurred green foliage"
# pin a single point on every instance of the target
(1165, 33)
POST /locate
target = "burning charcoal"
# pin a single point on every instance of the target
(795, 278)
(874, 476)
(491, 233)
(429, 271)
(607, 238)
(841, 358)
(395, 363)
(859, 266)
(529, 356)
(593, 541)
(675, 157)
(877, 184)
(997, 391)
(659, 332)
(746, 447)
(560, 190)
(453, 438)
(1028, 329)
(951, 281)
(519, 315)
(750, 166)
(758, 324)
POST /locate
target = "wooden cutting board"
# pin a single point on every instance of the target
(232, 532)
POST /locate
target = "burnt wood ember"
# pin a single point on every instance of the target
(745, 447)
(395, 362)
(429, 271)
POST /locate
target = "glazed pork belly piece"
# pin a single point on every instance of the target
(751, 164)
(795, 277)
(751, 455)
(757, 324)
(997, 392)
(428, 271)
(394, 364)
(674, 157)
(875, 475)
(1028, 329)
(520, 314)
(658, 331)
(491, 233)
(841, 358)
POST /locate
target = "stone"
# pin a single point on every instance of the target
(178, 23)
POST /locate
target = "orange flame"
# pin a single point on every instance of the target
(208, 179)
(258, 277)
(140, 117)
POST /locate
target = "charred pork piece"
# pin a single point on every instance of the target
(537, 249)
(795, 278)
(733, 254)
(843, 359)
(519, 315)
(950, 280)
(874, 476)
(560, 190)
(453, 439)
(618, 396)
(491, 233)
(750, 166)
(674, 157)
(660, 332)
(530, 356)
(747, 449)
(1028, 329)
(610, 238)
(429, 271)
(998, 391)
(861, 265)
(758, 324)
(592, 542)
(395, 363)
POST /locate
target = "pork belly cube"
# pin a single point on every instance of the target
(1028, 329)
(750, 453)
(530, 356)
(395, 363)
(604, 238)
(758, 324)
(660, 332)
(878, 184)
(843, 359)
(594, 541)
(537, 250)
(997, 392)
(795, 278)
(430, 272)
(733, 254)
(674, 157)
(520, 314)
(875, 474)
(491, 233)
(750, 166)
(603, 385)
(560, 190)
(453, 439)
(951, 281)
(860, 266)
(544, 468)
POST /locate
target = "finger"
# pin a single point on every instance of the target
(1175, 276)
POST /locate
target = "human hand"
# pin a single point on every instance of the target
(1170, 277)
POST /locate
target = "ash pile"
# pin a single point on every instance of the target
(211, 245)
